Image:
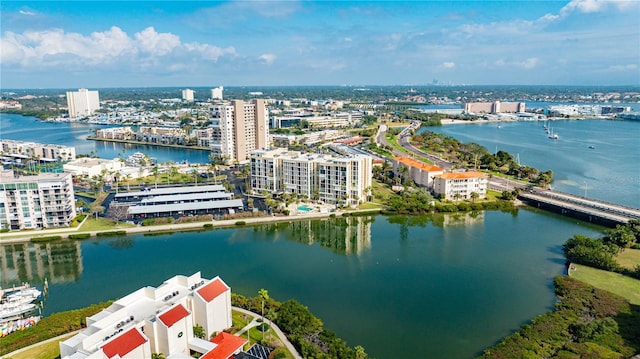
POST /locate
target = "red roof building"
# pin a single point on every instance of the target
(227, 345)
(212, 290)
(173, 315)
(124, 343)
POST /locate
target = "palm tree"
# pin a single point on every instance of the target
(474, 196)
(157, 356)
(264, 295)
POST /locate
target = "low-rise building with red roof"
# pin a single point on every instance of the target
(160, 320)
(421, 173)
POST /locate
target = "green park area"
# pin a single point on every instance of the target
(622, 285)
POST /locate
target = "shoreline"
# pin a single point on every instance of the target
(25, 237)
(133, 142)
(448, 121)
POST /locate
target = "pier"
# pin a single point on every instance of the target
(580, 207)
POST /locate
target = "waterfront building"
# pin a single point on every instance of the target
(115, 133)
(216, 93)
(327, 120)
(36, 151)
(10, 104)
(460, 185)
(178, 201)
(494, 107)
(187, 95)
(82, 103)
(311, 138)
(43, 201)
(90, 167)
(161, 320)
(421, 173)
(238, 128)
(342, 180)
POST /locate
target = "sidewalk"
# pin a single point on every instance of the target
(26, 236)
(272, 325)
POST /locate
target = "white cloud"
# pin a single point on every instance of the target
(27, 12)
(590, 6)
(267, 58)
(144, 49)
(448, 65)
(529, 63)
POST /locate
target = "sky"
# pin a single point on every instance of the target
(98, 44)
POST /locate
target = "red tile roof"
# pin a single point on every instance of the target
(227, 345)
(462, 175)
(124, 343)
(417, 164)
(173, 315)
(213, 289)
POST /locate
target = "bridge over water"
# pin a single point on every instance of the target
(580, 207)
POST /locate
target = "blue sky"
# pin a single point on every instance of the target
(57, 44)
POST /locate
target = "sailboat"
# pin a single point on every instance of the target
(553, 136)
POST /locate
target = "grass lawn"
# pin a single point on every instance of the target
(381, 193)
(616, 283)
(240, 320)
(370, 205)
(630, 258)
(45, 351)
(100, 224)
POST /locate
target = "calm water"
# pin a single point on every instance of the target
(431, 287)
(26, 128)
(610, 171)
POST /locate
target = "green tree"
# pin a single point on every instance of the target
(474, 196)
(360, 353)
(198, 332)
(157, 356)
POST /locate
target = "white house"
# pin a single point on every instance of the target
(460, 185)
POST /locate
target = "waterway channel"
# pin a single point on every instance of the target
(431, 287)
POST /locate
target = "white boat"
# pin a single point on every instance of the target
(553, 136)
(11, 312)
(22, 294)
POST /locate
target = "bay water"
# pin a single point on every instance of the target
(444, 286)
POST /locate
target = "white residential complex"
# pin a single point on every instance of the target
(238, 128)
(460, 185)
(187, 95)
(216, 93)
(43, 201)
(82, 102)
(161, 320)
(36, 151)
(333, 180)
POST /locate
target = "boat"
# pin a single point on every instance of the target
(23, 294)
(553, 136)
(592, 147)
(12, 312)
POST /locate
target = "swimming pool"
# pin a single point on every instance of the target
(304, 208)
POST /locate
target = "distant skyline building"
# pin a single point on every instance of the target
(187, 95)
(216, 93)
(239, 127)
(82, 102)
(494, 107)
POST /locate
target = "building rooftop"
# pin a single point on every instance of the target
(227, 344)
(186, 197)
(418, 164)
(212, 290)
(124, 343)
(173, 315)
(172, 190)
(191, 206)
(462, 175)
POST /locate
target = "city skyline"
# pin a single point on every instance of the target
(269, 43)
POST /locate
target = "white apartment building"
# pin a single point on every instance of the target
(460, 185)
(238, 128)
(421, 173)
(187, 95)
(37, 151)
(333, 180)
(90, 167)
(82, 102)
(216, 93)
(160, 320)
(115, 133)
(43, 201)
